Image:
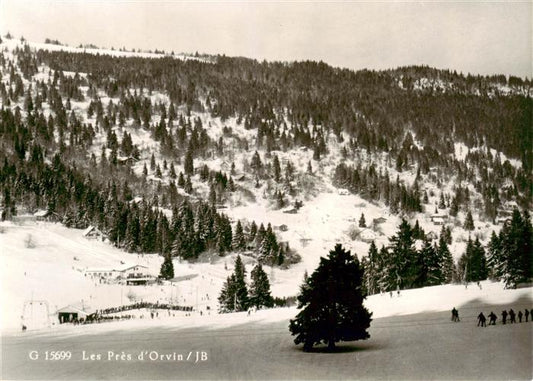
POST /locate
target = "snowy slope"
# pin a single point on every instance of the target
(48, 272)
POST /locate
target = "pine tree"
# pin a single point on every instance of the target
(158, 173)
(332, 303)
(495, 262)
(239, 242)
(253, 232)
(226, 300)
(145, 170)
(362, 221)
(167, 268)
(446, 260)
(403, 270)
(472, 265)
(429, 266)
(469, 222)
(442, 204)
(517, 249)
(152, 163)
(188, 165)
(276, 168)
(212, 195)
(309, 168)
(188, 185)
(371, 270)
(256, 163)
(260, 289)
(172, 172)
(241, 292)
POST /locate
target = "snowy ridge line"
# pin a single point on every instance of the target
(13, 43)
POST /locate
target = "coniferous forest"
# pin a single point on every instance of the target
(80, 166)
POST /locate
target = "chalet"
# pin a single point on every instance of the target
(439, 219)
(93, 232)
(132, 275)
(135, 275)
(135, 270)
(283, 228)
(225, 167)
(367, 235)
(344, 192)
(126, 160)
(45, 215)
(41, 215)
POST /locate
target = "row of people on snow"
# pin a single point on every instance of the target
(511, 314)
(482, 320)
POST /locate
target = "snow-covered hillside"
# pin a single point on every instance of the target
(49, 265)
(53, 271)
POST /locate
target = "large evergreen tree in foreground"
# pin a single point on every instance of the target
(332, 302)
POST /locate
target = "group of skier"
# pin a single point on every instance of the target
(482, 320)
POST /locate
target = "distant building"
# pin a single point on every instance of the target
(131, 275)
(439, 219)
(367, 235)
(283, 228)
(71, 313)
(343, 192)
(45, 215)
(93, 232)
(126, 160)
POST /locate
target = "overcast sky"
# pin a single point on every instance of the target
(467, 36)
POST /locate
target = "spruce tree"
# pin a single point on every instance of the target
(446, 260)
(371, 270)
(429, 266)
(260, 289)
(362, 221)
(226, 299)
(167, 268)
(241, 292)
(495, 263)
(188, 165)
(469, 222)
(517, 249)
(276, 169)
(253, 232)
(239, 242)
(473, 264)
(331, 303)
(403, 269)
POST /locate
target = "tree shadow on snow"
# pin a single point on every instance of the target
(341, 348)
